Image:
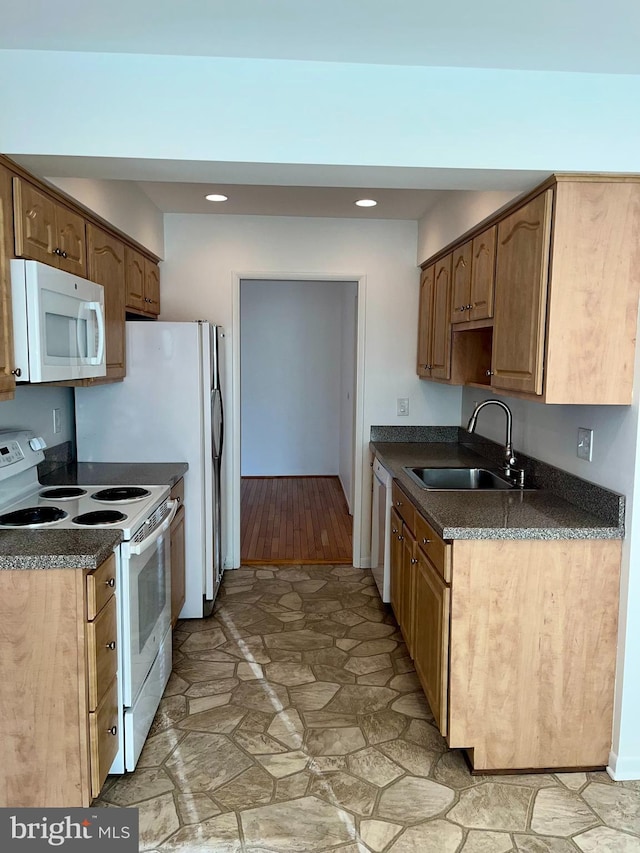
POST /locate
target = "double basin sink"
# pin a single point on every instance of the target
(458, 479)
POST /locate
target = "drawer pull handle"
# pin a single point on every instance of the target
(111, 645)
(111, 582)
(113, 730)
(425, 541)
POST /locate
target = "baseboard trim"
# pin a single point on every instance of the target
(623, 769)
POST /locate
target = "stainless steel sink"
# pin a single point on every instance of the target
(458, 478)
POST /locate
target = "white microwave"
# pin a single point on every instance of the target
(58, 324)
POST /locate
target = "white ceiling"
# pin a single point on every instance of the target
(545, 35)
(552, 35)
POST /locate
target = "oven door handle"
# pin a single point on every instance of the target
(141, 547)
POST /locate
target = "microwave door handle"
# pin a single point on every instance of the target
(141, 547)
(98, 308)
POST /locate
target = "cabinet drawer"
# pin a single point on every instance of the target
(177, 492)
(436, 549)
(100, 586)
(102, 652)
(104, 737)
(403, 506)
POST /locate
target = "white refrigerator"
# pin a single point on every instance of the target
(169, 408)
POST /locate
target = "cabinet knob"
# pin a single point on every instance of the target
(488, 372)
(468, 307)
(113, 730)
(400, 538)
(428, 366)
(413, 561)
(398, 503)
(112, 645)
(425, 541)
(111, 582)
(63, 254)
(16, 372)
(57, 251)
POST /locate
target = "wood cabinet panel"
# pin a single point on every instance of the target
(34, 223)
(135, 278)
(522, 267)
(424, 322)
(403, 505)
(151, 287)
(483, 262)
(431, 637)
(177, 565)
(441, 329)
(461, 283)
(72, 241)
(103, 737)
(436, 549)
(7, 379)
(101, 585)
(407, 581)
(396, 564)
(102, 653)
(106, 262)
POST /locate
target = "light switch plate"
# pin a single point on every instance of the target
(585, 444)
(402, 407)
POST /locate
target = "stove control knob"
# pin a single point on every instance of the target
(37, 443)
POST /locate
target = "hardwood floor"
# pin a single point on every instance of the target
(294, 520)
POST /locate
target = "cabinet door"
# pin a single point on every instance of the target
(151, 287)
(135, 279)
(483, 263)
(71, 241)
(106, 267)
(441, 321)
(177, 565)
(461, 283)
(407, 581)
(522, 267)
(424, 322)
(396, 564)
(34, 223)
(7, 380)
(431, 642)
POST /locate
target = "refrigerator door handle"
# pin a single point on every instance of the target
(217, 439)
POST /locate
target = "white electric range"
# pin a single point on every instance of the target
(144, 515)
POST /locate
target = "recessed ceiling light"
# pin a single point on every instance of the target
(216, 197)
(366, 202)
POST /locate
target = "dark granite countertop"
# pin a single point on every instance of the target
(56, 549)
(116, 474)
(81, 549)
(540, 513)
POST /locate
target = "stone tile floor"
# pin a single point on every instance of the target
(294, 723)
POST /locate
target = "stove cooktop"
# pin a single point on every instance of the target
(77, 507)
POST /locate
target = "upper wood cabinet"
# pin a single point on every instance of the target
(7, 379)
(143, 284)
(424, 322)
(441, 321)
(522, 266)
(47, 231)
(563, 261)
(434, 329)
(106, 257)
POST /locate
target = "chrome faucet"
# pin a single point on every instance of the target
(509, 458)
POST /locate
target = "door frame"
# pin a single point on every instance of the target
(358, 409)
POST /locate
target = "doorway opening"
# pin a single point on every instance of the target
(298, 377)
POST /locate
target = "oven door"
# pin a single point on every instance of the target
(146, 610)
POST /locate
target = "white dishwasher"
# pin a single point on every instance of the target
(381, 530)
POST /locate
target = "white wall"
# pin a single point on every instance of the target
(32, 408)
(550, 433)
(455, 213)
(203, 253)
(348, 353)
(244, 110)
(122, 204)
(291, 340)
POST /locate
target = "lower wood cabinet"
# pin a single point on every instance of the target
(59, 700)
(177, 554)
(514, 641)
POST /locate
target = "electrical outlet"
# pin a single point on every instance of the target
(402, 406)
(585, 444)
(57, 422)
